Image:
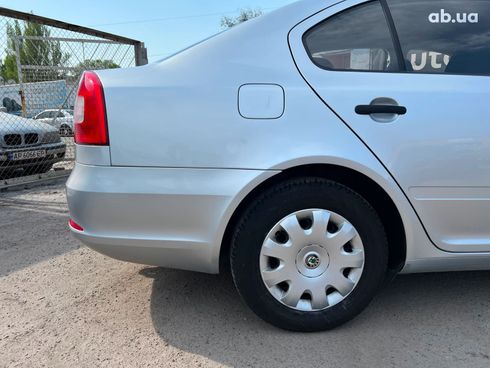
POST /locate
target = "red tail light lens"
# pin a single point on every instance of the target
(75, 226)
(89, 117)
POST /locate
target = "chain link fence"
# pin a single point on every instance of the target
(41, 61)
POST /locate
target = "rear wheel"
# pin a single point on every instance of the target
(65, 131)
(309, 254)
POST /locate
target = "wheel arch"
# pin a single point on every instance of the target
(359, 182)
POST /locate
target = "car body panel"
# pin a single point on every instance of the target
(179, 217)
(197, 81)
(445, 129)
(180, 165)
(173, 220)
(93, 155)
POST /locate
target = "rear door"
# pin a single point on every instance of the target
(411, 79)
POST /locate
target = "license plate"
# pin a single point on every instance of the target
(27, 155)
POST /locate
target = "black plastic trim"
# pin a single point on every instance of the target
(380, 109)
(394, 36)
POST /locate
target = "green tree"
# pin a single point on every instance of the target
(88, 64)
(97, 64)
(245, 14)
(36, 52)
(9, 69)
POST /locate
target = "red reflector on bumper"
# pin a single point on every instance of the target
(75, 226)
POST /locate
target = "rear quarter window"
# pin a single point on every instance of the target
(356, 39)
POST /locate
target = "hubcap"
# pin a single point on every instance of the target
(312, 259)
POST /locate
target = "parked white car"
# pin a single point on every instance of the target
(317, 151)
(62, 119)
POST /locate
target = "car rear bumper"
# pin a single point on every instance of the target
(166, 217)
(54, 153)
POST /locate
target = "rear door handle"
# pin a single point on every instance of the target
(380, 109)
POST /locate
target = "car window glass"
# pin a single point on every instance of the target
(356, 39)
(448, 36)
(54, 114)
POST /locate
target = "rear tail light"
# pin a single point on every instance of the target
(89, 117)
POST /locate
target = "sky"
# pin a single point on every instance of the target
(165, 26)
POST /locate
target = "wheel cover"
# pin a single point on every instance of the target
(312, 259)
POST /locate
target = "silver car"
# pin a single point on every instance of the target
(316, 151)
(28, 145)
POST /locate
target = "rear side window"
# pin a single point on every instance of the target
(447, 36)
(357, 39)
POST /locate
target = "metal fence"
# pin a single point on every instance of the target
(41, 61)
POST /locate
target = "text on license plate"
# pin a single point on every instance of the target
(27, 155)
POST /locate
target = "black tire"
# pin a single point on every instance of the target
(275, 204)
(65, 131)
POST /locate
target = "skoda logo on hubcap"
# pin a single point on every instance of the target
(312, 261)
